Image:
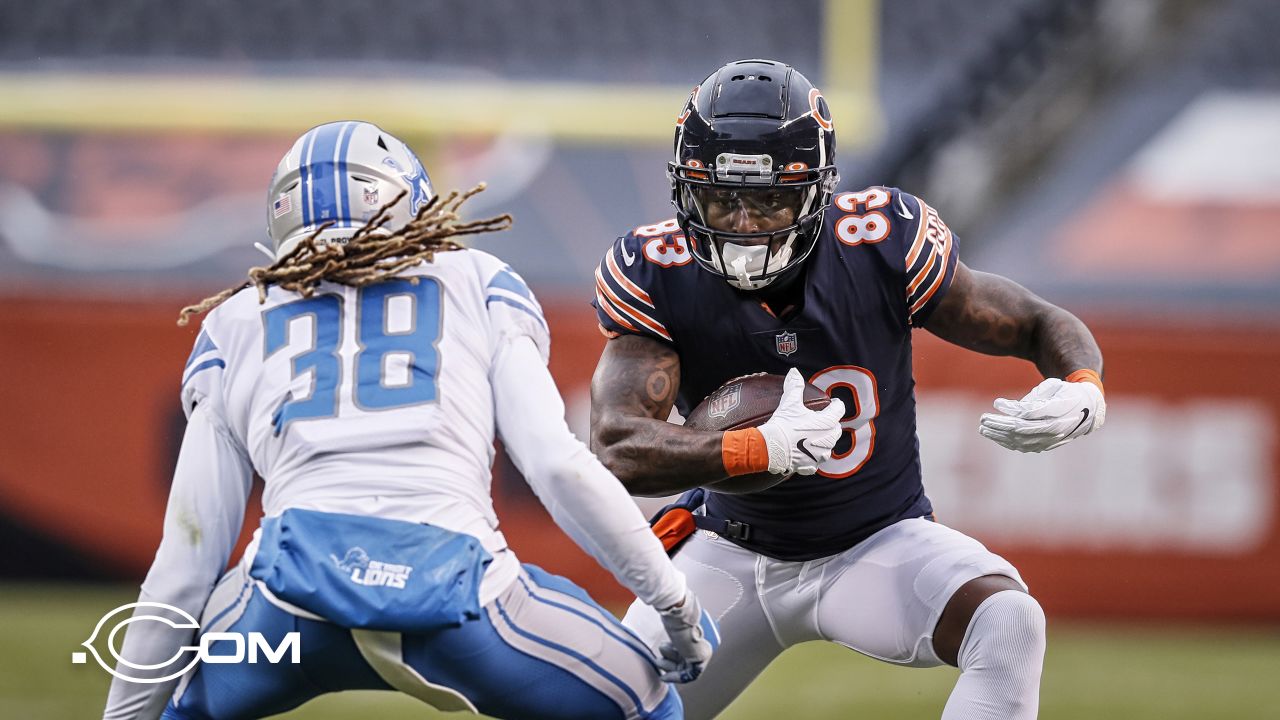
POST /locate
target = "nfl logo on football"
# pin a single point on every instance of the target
(725, 401)
(787, 343)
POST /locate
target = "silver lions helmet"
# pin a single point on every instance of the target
(342, 172)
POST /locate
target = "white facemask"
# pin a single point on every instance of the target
(742, 263)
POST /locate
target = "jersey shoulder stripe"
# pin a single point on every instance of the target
(606, 306)
(930, 258)
(508, 288)
(618, 305)
(624, 282)
(204, 355)
(622, 300)
(507, 279)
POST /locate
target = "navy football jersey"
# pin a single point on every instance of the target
(882, 263)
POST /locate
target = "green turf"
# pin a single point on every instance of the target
(1091, 672)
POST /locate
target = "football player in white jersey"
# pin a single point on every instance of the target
(363, 376)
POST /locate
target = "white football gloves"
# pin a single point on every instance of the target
(691, 638)
(1054, 413)
(800, 439)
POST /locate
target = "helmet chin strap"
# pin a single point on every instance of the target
(740, 270)
(743, 262)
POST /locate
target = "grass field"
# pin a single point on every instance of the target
(1091, 673)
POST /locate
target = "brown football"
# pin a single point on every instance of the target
(746, 402)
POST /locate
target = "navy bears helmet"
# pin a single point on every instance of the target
(759, 135)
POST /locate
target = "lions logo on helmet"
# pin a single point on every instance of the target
(330, 172)
(757, 133)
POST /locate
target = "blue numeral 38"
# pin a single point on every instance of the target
(416, 345)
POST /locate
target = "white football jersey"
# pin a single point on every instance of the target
(374, 400)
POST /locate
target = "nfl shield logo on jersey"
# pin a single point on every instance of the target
(725, 400)
(787, 343)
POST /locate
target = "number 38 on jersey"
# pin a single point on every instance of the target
(396, 361)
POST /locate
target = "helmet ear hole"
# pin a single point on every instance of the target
(382, 143)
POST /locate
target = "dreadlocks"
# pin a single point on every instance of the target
(369, 256)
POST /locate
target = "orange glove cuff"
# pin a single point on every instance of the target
(744, 452)
(1087, 375)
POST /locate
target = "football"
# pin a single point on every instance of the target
(744, 402)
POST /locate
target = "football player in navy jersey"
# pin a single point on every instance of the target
(764, 270)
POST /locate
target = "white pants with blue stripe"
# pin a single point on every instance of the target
(543, 650)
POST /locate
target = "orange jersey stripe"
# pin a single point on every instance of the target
(635, 314)
(625, 281)
(920, 276)
(622, 306)
(608, 309)
(937, 283)
(921, 225)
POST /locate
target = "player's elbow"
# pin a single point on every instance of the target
(609, 443)
(607, 434)
(615, 461)
(617, 440)
(635, 475)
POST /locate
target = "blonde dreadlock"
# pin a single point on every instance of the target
(366, 258)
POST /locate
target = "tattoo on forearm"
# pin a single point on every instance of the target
(994, 315)
(998, 331)
(1064, 345)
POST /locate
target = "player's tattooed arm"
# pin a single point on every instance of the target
(632, 393)
(994, 315)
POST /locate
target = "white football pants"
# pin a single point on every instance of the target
(882, 598)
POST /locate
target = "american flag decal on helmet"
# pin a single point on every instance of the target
(281, 206)
(787, 343)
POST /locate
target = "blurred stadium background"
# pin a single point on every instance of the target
(1120, 157)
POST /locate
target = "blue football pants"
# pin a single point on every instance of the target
(542, 650)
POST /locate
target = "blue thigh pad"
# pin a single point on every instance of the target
(371, 573)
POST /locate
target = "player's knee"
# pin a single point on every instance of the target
(1008, 632)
